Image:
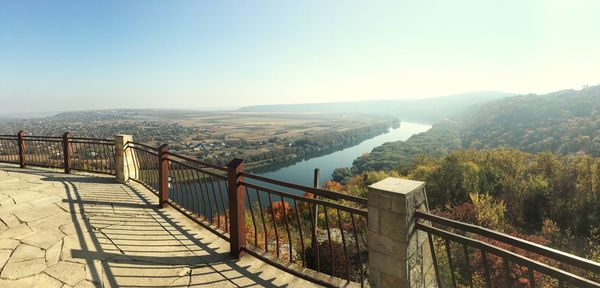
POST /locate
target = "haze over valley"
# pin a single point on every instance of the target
(301, 144)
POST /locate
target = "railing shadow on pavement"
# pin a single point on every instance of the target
(120, 247)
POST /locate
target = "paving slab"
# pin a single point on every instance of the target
(86, 230)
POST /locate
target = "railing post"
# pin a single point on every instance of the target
(67, 151)
(22, 148)
(315, 212)
(123, 159)
(399, 254)
(163, 176)
(237, 217)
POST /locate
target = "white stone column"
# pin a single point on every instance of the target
(399, 255)
(125, 159)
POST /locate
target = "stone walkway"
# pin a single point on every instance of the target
(59, 230)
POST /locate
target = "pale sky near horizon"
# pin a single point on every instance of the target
(76, 55)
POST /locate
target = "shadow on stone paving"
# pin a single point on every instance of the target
(116, 237)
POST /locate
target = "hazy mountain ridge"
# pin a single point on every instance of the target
(563, 122)
(429, 110)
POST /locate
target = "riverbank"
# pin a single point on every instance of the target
(315, 146)
(301, 172)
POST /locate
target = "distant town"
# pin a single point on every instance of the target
(261, 138)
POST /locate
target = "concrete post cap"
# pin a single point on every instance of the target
(397, 185)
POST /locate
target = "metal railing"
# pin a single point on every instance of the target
(325, 237)
(199, 189)
(9, 149)
(43, 151)
(323, 240)
(474, 256)
(89, 154)
(145, 167)
(312, 233)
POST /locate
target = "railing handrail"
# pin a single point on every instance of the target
(348, 209)
(319, 192)
(92, 139)
(514, 241)
(208, 165)
(42, 137)
(519, 259)
(154, 149)
(198, 168)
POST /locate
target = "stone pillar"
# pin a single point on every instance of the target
(399, 255)
(125, 159)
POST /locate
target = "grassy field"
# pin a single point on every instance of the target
(214, 136)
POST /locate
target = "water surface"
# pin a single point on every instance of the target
(302, 172)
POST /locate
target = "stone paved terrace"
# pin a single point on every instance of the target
(85, 230)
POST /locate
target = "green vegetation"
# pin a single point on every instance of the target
(528, 166)
(529, 184)
(313, 146)
(438, 141)
(543, 197)
(563, 122)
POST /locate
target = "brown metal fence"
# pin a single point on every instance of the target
(199, 189)
(9, 149)
(325, 237)
(312, 233)
(43, 151)
(91, 155)
(323, 240)
(478, 257)
(145, 165)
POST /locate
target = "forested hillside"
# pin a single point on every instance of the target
(528, 195)
(519, 165)
(564, 122)
(437, 141)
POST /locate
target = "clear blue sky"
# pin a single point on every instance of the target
(70, 55)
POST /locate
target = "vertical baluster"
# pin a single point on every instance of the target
(252, 215)
(531, 277)
(287, 228)
(204, 211)
(210, 206)
(212, 185)
(358, 250)
(486, 269)
(506, 272)
(315, 243)
(344, 244)
(223, 202)
(303, 254)
(67, 152)
(449, 255)
(164, 176)
(468, 265)
(262, 215)
(434, 258)
(274, 224)
(194, 195)
(332, 255)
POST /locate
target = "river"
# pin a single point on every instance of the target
(302, 172)
(299, 173)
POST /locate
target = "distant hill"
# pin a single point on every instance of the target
(428, 110)
(564, 122)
